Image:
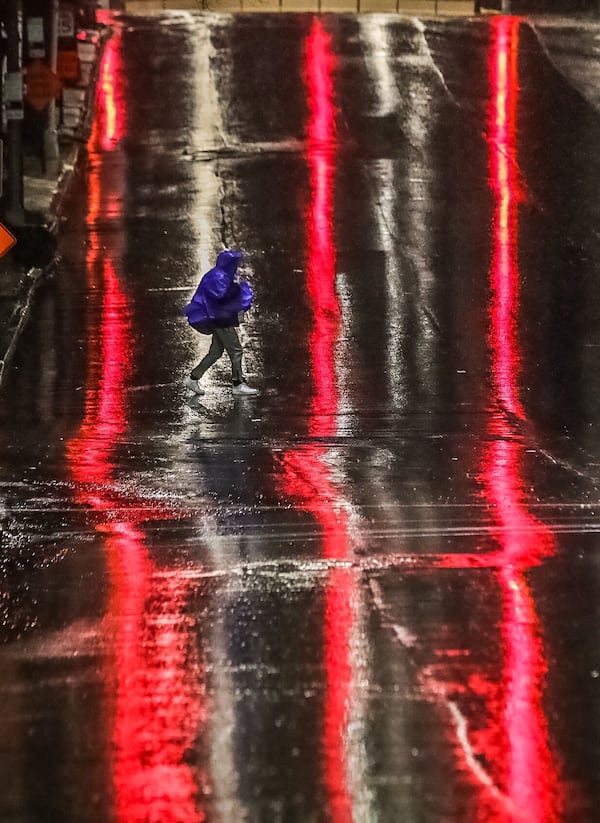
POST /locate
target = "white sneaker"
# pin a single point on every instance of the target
(244, 390)
(193, 385)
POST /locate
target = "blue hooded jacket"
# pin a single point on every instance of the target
(220, 297)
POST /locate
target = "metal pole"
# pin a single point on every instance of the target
(505, 6)
(51, 152)
(15, 209)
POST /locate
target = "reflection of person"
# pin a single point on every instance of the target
(214, 309)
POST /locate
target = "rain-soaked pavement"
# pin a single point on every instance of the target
(371, 593)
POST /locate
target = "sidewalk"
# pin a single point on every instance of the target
(26, 266)
(416, 8)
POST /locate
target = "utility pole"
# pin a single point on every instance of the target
(51, 152)
(15, 210)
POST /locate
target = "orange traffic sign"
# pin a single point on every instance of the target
(7, 240)
(42, 85)
(67, 64)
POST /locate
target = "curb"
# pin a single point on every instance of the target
(21, 312)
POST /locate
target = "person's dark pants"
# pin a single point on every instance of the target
(226, 339)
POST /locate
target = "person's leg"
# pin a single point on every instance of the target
(215, 351)
(230, 341)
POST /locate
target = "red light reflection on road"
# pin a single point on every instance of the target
(321, 264)
(505, 186)
(156, 676)
(525, 768)
(110, 108)
(306, 475)
(520, 779)
(324, 501)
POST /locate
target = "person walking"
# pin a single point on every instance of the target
(214, 309)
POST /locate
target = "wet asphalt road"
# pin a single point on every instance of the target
(371, 593)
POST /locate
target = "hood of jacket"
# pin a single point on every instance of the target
(229, 261)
